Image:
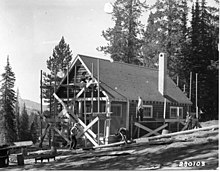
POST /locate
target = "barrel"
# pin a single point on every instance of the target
(4, 157)
(20, 159)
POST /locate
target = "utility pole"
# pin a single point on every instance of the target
(98, 67)
(41, 104)
(197, 113)
(68, 84)
(190, 86)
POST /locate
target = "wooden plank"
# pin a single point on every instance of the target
(83, 89)
(89, 131)
(43, 136)
(71, 113)
(174, 120)
(182, 121)
(23, 143)
(58, 131)
(96, 113)
(144, 127)
(71, 84)
(156, 120)
(156, 130)
(87, 127)
(63, 113)
(91, 139)
(110, 145)
(184, 132)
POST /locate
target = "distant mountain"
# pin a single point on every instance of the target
(31, 106)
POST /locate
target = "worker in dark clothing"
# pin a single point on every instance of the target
(83, 78)
(195, 122)
(122, 134)
(73, 133)
(188, 123)
(191, 122)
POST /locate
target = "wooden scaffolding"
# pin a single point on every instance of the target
(68, 110)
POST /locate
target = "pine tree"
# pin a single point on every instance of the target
(7, 101)
(34, 128)
(151, 47)
(203, 58)
(17, 115)
(184, 53)
(208, 80)
(57, 64)
(24, 125)
(124, 43)
(166, 31)
(62, 55)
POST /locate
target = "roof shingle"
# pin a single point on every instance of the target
(126, 81)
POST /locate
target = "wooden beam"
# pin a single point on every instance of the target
(144, 127)
(64, 113)
(87, 127)
(110, 145)
(184, 132)
(98, 67)
(83, 89)
(176, 120)
(127, 114)
(107, 120)
(68, 95)
(58, 131)
(71, 113)
(71, 84)
(165, 108)
(157, 120)
(87, 99)
(156, 130)
(89, 131)
(43, 136)
(91, 139)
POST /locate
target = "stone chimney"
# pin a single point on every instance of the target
(162, 79)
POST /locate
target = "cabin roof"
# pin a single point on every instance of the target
(124, 81)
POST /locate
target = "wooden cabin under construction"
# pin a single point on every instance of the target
(111, 93)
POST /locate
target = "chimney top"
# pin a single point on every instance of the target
(162, 79)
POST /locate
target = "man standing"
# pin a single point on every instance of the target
(140, 109)
(73, 133)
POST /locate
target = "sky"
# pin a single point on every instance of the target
(30, 29)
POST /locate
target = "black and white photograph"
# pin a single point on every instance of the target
(113, 85)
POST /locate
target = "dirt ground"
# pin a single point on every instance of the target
(194, 151)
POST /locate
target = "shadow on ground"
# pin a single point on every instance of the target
(143, 157)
